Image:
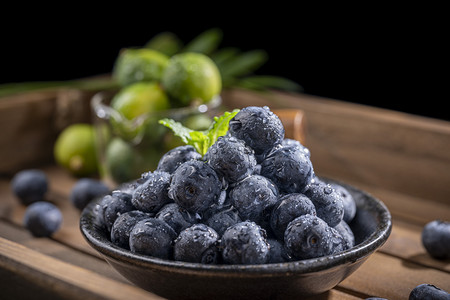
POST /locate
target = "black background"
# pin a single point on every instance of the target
(385, 57)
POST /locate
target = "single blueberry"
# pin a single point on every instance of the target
(172, 159)
(289, 168)
(309, 236)
(428, 291)
(112, 206)
(289, 207)
(151, 195)
(85, 190)
(436, 239)
(120, 230)
(254, 198)
(329, 204)
(245, 243)
(258, 127)
(176, 217)
(152, 237)
(42, 218)
(30, 185)
(347, 234)
(223, 219)
(231, 159)
(195, 186)
(198, 244)
(348, 202)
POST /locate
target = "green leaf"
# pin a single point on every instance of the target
(201, 140)
(206, 42)
(265, 82)
(244, 63)
(165, 42)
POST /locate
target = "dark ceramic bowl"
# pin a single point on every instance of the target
(180, 280)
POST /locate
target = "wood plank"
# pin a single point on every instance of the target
(392, 278)
(400, 152)
(62, 279)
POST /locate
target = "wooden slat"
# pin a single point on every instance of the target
(67, 280)
(391, 278)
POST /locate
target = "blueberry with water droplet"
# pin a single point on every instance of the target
(223, 219)
(348, 202)
(258, 127)
(152, 237)
(176, 217)
(172, 159)
(289, 168)
(309, 236)
(151, 195)
(198, 244)
(112, 206)
(120, 230)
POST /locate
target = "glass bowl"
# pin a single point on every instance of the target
(127, 148)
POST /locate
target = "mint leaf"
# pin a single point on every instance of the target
(201, 140)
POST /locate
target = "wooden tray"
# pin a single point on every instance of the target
(399, 158)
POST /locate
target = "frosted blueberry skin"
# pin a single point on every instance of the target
(254, 198)
(195, 186)
(258, 127)
(221, 220)
(176, 217)
(85, 190)
(329, 204)
(172, 159)
(436, 239)
(289, 207)
(151, 195)
(289, 168)
(245, 243)
(197, 244)
(42, 218)
(152, 237)
(120, 231)
(277, 253)
(347, 234)
(30, 186)
(231, 159)
(348, 202)
(309, 236)
(295, 143)
(112, 206)
(428, 291)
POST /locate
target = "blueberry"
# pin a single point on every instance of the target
(111, 206)
(176, 217)
(198, 244)
(30, 186)
(258, 127)
(428, 291)
(85, 190)
(221, 220)
(172, 159)
(289, 207)
(120, 230)
(231, 159)
(348, 202)
(254, 198)
(329, 204)
(289, 168)
(195, 186)
(309, 236)
(347, 234)
(245, 243)
(291, 142)
(42, 218)
(276, 251)
(152, 237)
(151, 195)
(436, 239)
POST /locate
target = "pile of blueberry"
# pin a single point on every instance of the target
(253, 198)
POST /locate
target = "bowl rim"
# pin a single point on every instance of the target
(357, 253)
